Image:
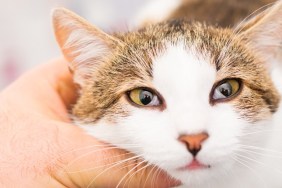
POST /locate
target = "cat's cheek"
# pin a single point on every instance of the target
(224, 130)
(149, 134)
(154, 131)
(229, 136)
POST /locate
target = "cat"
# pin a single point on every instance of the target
(198, 100)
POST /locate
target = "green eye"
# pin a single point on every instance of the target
(226, 89)
(143, 97)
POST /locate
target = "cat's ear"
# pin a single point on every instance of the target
(263, 34)
(83, 45)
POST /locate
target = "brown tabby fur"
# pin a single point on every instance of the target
(128, 64)
(257, 100)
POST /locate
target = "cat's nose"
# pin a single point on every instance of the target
(193, 142)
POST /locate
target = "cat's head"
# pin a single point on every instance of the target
(183, 96)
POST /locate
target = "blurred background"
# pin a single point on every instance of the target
(26, 33)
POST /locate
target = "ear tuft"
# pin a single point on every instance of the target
(58, 12)
(82, 44)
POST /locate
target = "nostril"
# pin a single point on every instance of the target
(194, 152)
(193, 142)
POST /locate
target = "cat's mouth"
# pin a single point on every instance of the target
(194, 165)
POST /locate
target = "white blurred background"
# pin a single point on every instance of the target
(26, 35)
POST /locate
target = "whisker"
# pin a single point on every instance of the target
(261, 131)
(157, 172)
(148, 176)
(258, 162)
(127, 166)
(92, 146)
(131, 176)
(140, 163)
(259, 148)
(243, 163)
(237, 154)
(258, 153)
(100, 166)
(63, 169)
(97, 150)
(262, 9)
(105, 170)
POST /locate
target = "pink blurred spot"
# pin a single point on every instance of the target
(11, 69)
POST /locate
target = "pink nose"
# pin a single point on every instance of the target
(193, 142)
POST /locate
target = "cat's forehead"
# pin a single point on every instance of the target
(205, 38)
(219, 45)
(183, 76)
(215, 46)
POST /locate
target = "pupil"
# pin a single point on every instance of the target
(226, 90)
(146, 97)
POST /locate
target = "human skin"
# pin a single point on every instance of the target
(40, 147)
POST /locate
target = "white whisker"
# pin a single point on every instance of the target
(243, 163)
(136, 166)
(261, 131)
(100, 166)
(259, 153)
(260, 148)
(258, 162)
(91, 152)
(131, 176)
(105, 170)
(148, 175)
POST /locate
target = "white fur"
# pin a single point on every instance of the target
(185, 78)
(156, 11)
(277, 77)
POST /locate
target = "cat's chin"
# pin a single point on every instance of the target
(192, 177)
(197, 174)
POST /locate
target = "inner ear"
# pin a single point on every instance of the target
(263, 34)
(83, 45)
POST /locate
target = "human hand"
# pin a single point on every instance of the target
(41, 148)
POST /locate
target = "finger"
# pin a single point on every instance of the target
(62, 80)
(46, 89)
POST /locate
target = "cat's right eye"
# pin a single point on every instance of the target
(144, 97)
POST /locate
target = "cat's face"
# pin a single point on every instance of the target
(183, 73)
(184, 97)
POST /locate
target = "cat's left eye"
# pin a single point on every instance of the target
(226, 89)
(144, 97)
